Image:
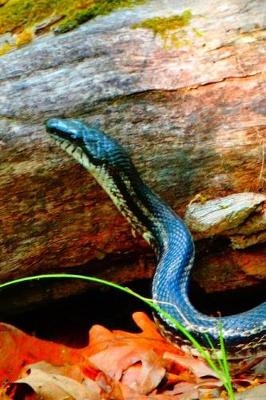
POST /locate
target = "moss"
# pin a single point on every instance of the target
(21, 16)
(6, 48)
(66, 26)
(16, 14)
(99, 8)
(197, 32)
(24, 37)
(161, 25)
(169, 27)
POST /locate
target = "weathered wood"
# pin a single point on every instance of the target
(241, 217)
(192, 117)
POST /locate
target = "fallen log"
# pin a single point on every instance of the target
(188, 106)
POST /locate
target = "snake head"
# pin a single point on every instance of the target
(88, 145)
(65, 129)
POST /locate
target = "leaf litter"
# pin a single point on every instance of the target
(115, 365)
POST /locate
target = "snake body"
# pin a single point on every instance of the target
(112, 167)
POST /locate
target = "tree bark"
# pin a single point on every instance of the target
(191, 115)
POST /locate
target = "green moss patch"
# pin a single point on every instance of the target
(170, 29)
(16, 16)
(99, 8)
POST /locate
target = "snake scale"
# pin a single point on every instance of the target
(112, 167)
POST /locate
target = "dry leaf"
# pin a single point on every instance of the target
(114, 361)
(18, 349)
(145, 377)
(184, 391)
(71, 371)
(101, 338)
(197, 366)
(115, 365)
(50, 386)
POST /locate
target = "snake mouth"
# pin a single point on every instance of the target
(66, 136)
(58, 138)
(55, 127)
(65, 144)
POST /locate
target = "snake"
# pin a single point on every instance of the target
(110, 164)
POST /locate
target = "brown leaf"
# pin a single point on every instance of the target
(117, 353)
(71, 371)
(18, 349)
(146, 376)
(51, 386)
(130, 394)
(184, 391)
(189, 390)
(197, 366)
(115, 360)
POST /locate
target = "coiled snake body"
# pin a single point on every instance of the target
(111, 166)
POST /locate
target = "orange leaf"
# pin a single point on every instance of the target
(195, 365)
(101, 338)
(18, 349)
(145, 377)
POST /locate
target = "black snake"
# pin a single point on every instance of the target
(111, 166)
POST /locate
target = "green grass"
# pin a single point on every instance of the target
(219, 365)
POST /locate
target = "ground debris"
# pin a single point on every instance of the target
(114, 365)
